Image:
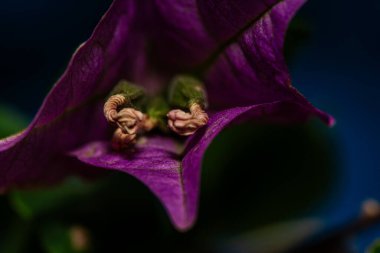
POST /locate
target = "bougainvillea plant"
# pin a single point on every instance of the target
(233, 47)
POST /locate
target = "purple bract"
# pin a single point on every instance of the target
(235, 45)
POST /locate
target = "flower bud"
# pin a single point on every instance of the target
(111, 107)
(186, 124)
(122, 140)
(185, 91)
(129, 120)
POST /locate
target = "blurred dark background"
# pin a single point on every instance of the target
(325, 174)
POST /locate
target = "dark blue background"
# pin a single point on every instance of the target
(337, 69)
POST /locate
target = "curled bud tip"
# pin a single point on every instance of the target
(110, 107)
(186, 124)
(129, 120)
(179, 115)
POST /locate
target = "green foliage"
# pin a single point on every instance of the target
(57, 238)
(186, 90)
(375, 247)
(16, 238)
(157, 108)
(134, 95)
(271, 173)
(31, 203)
(11, 121)
(298, 36)
(278, 237)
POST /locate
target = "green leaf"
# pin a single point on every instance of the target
(271, 173)
(30, 203)
(279, 237)
(57, 238)
(297, 38)
(16, 238)
(11, 121)
(375, 247)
